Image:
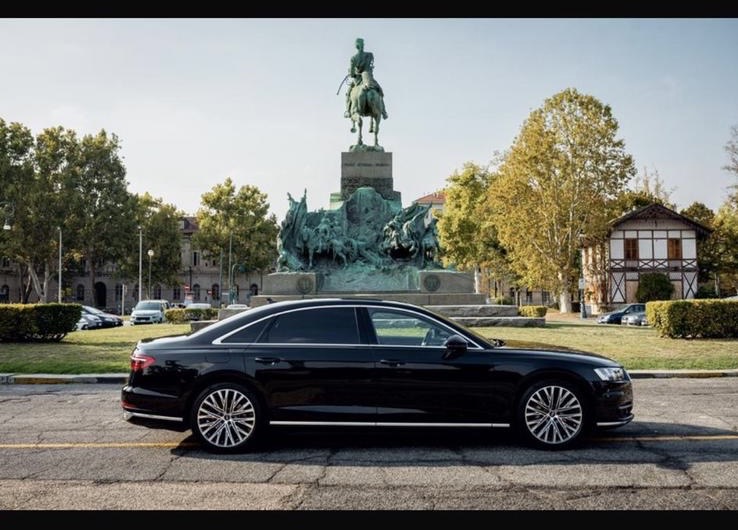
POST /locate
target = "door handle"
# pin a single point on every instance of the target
(267, 360)
(391, 362)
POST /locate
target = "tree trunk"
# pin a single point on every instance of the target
(477, 280)
(564, 294)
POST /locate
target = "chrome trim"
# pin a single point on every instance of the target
(127, 415)
(387, 424)
(615, 423)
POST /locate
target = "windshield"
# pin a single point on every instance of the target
(148, 306)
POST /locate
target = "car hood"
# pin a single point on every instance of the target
(594, 359)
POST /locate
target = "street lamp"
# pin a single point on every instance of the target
(140, 256)
(150, 254)
(60, 263)
(582, 285)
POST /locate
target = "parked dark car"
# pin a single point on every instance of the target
(614, 317)
(107, 320)
(343, 362)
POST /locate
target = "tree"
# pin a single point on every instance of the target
(725, 239)
(16, 177)
(48, 198)
(707, 251)
(556, 186)
(646, 190)
(654, 286)
(467, 238)
(237, 225)
(102, 223)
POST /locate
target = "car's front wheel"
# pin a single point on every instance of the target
(226, 417)
(552, 415)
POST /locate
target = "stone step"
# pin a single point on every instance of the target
(475, 310)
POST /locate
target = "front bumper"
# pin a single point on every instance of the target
(613, 403)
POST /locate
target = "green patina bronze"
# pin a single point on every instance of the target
(367, 233)
(364, 98)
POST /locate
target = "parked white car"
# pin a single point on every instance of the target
(148, 312)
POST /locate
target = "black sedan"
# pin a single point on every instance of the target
(344, 362)
(107, 320)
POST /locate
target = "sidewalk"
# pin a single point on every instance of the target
(120, 379)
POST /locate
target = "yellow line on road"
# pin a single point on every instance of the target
(170, 445)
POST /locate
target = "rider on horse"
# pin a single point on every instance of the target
(361, 62)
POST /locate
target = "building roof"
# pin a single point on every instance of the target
(659, 211)
(437, 197)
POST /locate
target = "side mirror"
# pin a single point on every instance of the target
(455, 346)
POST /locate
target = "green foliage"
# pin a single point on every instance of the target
(532, 310)
(556, 186)
(647, 189)
(694, 318)
(37, 322)
(654, 286)
(183, 315)
(503, 300)
(237, 223)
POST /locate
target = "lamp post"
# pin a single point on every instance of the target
(582, 308)
(140, 257)
(148, 289)
(60, 263)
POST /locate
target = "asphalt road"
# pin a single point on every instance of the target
(67, 447)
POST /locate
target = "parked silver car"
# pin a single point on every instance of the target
(634, 319)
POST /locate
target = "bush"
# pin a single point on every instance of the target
(710, 318)
(532, 310)
(38, 322)
(503, 300)
(654, 286)
(182, 316)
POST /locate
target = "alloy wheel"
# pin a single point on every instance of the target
(226, 418)
(553, 415)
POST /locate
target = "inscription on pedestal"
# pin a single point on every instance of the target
(368, 168)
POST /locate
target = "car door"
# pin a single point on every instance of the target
(416, 384)
(314, 366)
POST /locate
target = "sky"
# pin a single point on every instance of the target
(195, 101)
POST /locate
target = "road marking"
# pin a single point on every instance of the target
(171, 445)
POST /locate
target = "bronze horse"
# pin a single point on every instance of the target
(366, 101)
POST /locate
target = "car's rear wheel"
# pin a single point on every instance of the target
(226, 417)
(552, 415)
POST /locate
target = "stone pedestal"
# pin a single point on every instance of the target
(367, 168)
(442, 281)
(290, 283)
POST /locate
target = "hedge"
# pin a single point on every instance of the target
(182, 316)
(38, 322)
(532, 310)
(693, 319)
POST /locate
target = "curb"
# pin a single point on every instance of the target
(121, 379)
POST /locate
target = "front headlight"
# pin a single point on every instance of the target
(610, 374)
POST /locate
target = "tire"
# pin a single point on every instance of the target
(553, 415)
(226, 418)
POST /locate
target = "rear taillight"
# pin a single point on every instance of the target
(139, 361)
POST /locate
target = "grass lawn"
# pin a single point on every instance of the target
(107, 350)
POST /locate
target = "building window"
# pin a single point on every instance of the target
(631, 249)
(118, 292)
(80, 292)
(528, 296)
(216, 291)
(545, 297)
(196, 292)
(5, 262)
(157, 292)
(675, 248)
(195, 259)
(176, 293)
